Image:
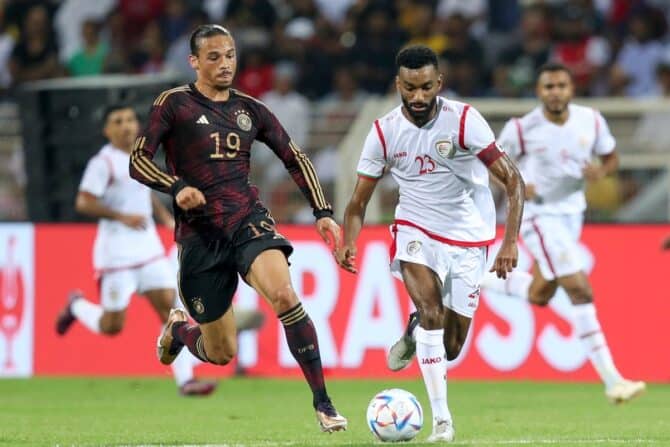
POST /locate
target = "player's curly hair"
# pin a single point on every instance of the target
(416, 56)
(203, 32)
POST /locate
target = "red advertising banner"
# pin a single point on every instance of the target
(358, 316)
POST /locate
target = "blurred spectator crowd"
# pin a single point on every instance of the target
(314, 62)
(334, 47)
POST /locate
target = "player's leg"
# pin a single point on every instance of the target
(158, 285)
(425, 289)
(268, 274)
(590, 333)
(207, 281)
(523, 285)
(108, 317)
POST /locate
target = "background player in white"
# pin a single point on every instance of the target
(438, 152)
(128, 255)
(554, 145)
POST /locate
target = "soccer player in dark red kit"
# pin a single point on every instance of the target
(222, 227)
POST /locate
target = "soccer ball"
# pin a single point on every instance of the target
(394, 415)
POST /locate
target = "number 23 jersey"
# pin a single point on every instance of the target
(441, 171)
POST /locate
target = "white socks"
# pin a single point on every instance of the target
(516, 284)
(182, 367)
(87, 313)
(431, 357)
(590, 334)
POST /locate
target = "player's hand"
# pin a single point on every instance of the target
(189, 198)
(506, 260)
(330, 231)
(135, 221)
(666, 243)
(346, 258)
(593, 172)
(530, 191)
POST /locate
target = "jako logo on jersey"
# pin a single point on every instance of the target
(445, 148)
(413, 247)
(202, 120)
(474, 295)
(400, 155)
(431, 360)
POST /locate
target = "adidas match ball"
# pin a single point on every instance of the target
(394, 415)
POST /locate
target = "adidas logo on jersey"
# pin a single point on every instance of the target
(202, 120)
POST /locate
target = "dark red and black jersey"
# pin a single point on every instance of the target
(208, 146)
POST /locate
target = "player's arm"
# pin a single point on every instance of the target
(163, 215)
(146, 171)
(354, 216)
(272, 133)
(609, 164)
(90, 205)
(370, 169)
(478, 138)
(94, 182)
(506, 172)
(604, 148)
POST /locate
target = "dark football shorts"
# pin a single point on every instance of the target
(208, 269)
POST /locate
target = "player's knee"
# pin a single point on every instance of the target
(283, 299)
(539, 299)
(112, 328)
(221, 356)
(431, 317)
(580, 294)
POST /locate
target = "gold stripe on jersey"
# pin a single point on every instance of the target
(309, 173)
(239, 93)
(149, 165)
(163, 96)
(153, 170)
(146, 168)
(313, 181)
(142, 164)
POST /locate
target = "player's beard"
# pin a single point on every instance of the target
(556, 109)
(420, 117)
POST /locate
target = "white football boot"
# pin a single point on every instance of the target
(402, 352)
(443, 431)
(624, 391)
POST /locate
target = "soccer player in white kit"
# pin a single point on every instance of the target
(438, 152)
(128, 255)
(554, 145)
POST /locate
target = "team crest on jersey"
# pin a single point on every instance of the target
(584, 141)
(197, 305)
(445, 148)
(413, 247)
(243, 120)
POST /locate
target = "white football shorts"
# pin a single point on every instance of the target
(118, 286)
(553, 240)
(459, 268)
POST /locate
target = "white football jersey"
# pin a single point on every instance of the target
(552, 156)
(441, 171)
(117, 245)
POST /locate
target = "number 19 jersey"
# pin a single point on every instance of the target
(440, 169)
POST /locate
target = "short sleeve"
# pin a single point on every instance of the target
(476, 136)
(373, 157)
(96, 176)
(510, 138)
(605, 142)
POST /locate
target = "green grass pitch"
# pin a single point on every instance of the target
(260, 412)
